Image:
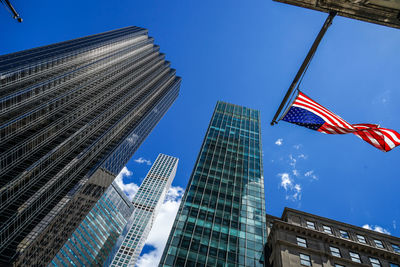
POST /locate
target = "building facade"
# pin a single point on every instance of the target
(302, 239)
(146, 202)
(95, 237)
(72, 114)
(221, 219)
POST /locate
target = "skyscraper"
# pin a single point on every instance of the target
(221, 220)
(93, 240)
(72, 114)
(146, 202)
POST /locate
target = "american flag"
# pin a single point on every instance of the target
(306, 112)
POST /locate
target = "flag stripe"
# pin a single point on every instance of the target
(324, 121)
(327, 117)
(325, 109)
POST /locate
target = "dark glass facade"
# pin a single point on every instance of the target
(93, 240)
(72, 114)
(221, 220)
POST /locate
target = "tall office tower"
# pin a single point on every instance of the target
(303, 239)
(95, 237)
(221, 220)
(72, 114)
(146, 202)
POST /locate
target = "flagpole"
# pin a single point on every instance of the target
(306, 61)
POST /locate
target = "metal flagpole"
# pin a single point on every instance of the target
(306, 61)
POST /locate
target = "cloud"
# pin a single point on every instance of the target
(293, 191)
(295, 172)
(129, 189)
(142, 160)
(292, 161)
(297, 146)
(376, 228)
(394, 224)
(159, 233)
(311, 175)
(279, 142)
(302, 156)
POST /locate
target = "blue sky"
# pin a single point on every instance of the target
(247, 53)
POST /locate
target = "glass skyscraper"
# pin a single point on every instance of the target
(146, 202)
(71, 115)
(221, 219)
(95, 237)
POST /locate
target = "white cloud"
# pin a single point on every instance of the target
(129, 189)
(297, 146)
(286, 182)
(311, 175)
(159, 233)
(292, 161)
(376, 228)
(296, 172)
(293, 191)
(394, 224)
(279, 142)
(302, 156)
(142, 160)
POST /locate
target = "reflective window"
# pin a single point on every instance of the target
(310, 225)
(393, 265)
(339, 265)
(305, 260)
(361, 239)
(344, 234)
(327, 229)
(355, 257)
(301, 242)
(335, 252)
(375, 262)
(396, 248)
(378, 243)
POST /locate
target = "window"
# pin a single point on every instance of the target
(396, 248)
(339, 265)
(327, 229)
(393, 265)
(378, 243)
(305, 260)
(335, 252)
(375, 262)
(344, 234)
(355, 257)
(361, 239)
(310, 225)
(301, 242)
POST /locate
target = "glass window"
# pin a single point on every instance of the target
(301, 242)
(355, 257)
(339, 265)
(361, 239)
(375, 262)
(327, 229)
(378, 243)
(310, 225)
(393, 265)
(396, 248)
(344, 234)
(335, 252)
(305, 260)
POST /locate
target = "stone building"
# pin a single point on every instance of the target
(302, 239)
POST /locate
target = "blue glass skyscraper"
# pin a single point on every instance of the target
(221, 220)
(93, 240)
